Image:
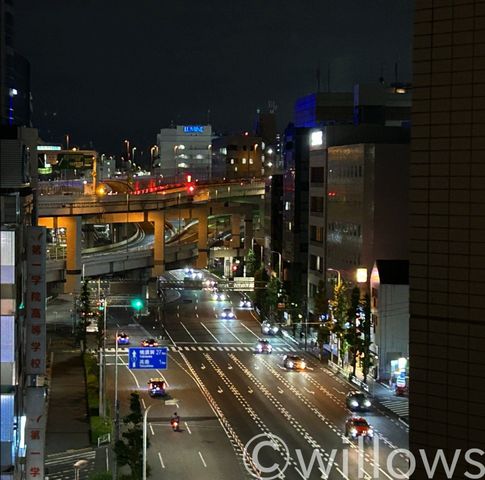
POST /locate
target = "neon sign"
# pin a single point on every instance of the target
(194, 129)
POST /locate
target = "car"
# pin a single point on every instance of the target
(228, 313)
(263, 346)
(196, 275)
(245, 303)
(188, 270)
(269, 328)
(219, 296)
(358, 427)
(149, 342)
(294, 362)
(210, 284)
(156, 387)
(357, 401)
(123, 339)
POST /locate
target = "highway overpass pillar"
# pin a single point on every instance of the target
(236, 230)
(202, 258)
(158, 219)
(73, 253)
(248, 233)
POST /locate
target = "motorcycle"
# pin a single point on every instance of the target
(175, 424)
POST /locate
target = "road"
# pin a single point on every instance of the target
(227, 395)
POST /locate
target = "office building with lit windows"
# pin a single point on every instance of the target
(184, 149)
(358, 201)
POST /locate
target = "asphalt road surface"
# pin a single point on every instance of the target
(243, 415)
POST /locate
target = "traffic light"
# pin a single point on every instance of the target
(137, 304)
(189, 184)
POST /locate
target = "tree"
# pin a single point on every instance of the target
(272, 294)
(85, 310)
(365, 320)
(251, 263)
(260, 276)
(339, 311)
(353, 334)
(129, 450)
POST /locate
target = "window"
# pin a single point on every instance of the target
(232, 161)
(244, 161)
(287, 206)
(251, 161)
(232, 148)
(317, 174)
(316, 205)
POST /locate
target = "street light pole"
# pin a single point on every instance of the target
(145, 420)
(102, 365)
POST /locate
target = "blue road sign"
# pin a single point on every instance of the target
(148, 358)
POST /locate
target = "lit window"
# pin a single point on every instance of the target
(287, 205)
(289, 226)
(232, 161)
(235, 169)
(316, 138)
(251, 161)
(244, 161)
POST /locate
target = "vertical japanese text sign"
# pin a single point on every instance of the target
(35, 302)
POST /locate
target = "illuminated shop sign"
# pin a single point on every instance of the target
(194, 129)
(49, 148)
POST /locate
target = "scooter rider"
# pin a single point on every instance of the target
(175, 421)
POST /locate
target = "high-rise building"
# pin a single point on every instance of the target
(15, 92)
(184, 149)
(447, 231)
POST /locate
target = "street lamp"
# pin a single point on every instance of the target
(339, 276)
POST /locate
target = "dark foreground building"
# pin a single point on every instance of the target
(447, 233)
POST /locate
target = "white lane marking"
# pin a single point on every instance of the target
(131, 371)
(280, 390)
(188, 429)
(249, 330)
(197, 315)
(161, 460)
(238, 339)
(309, 391)
(190, 335)
(219, 389)
(163, 378)
(338, 391)
(196, 307)
(151, 428)
(178, 314)
(203, 461)
(210, 332)
(143, 403)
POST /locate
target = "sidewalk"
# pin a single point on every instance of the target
(68, 430)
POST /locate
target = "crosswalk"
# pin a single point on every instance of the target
(400, 406)
(60, 466)
(211, 348)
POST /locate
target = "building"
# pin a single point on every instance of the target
(389, 290)
(106, 167)
(15, 90)
(295, 210)
(22, 312)
(237, 156)
(358, 199)
(380, 104)
(447, 232)
(184, 149)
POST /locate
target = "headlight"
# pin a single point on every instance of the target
(370, 432)
(260, 347)
(354, 403)
(353, 432)
(303, 364)
(367, 403)
(290, 364)
(241, 304)
(275, 329)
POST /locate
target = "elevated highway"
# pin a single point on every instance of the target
(239, 200)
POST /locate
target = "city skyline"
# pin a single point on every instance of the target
(102, 73)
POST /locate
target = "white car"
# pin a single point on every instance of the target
(245, 303)
(228, 313)
(219, 296)
(269, 328)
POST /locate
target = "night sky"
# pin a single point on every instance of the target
(107, 70)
